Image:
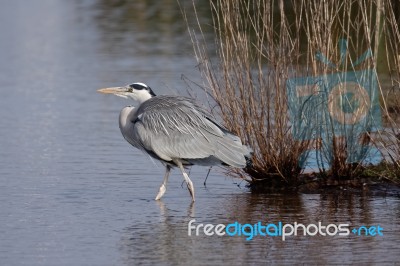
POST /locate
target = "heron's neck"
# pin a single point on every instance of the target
(142, 96)
(125, 117)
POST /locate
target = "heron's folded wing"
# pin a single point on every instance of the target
(176, 128)
(175, 133)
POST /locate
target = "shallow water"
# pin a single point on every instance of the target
(73, 192)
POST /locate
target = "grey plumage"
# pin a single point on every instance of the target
(177, 131)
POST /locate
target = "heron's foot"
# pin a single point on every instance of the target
(161, 192)
(191, 189)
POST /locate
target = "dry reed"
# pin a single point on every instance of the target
(260, 44)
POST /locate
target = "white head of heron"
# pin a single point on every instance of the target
(137, 91)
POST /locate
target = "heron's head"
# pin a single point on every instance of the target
(137, 91)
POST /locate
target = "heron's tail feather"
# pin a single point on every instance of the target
(231, 151)
(249, 162)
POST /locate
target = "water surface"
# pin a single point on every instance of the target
(73, 192)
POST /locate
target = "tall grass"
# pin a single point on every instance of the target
(260, 44)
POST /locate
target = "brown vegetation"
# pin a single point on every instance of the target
(261, 44)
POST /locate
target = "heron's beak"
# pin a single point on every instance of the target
(113, 90)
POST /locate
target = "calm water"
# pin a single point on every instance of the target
(73, 192)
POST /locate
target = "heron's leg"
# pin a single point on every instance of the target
(163, 186)
(189, 182)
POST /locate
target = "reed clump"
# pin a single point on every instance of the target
(260, 44)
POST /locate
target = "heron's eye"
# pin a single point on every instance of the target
(130, 90)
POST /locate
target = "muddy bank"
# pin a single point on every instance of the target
(377, 186)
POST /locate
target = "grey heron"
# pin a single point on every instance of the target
(176, 131)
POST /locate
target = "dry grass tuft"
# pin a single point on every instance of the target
(260, 44)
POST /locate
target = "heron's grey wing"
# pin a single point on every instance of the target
(174, 127)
